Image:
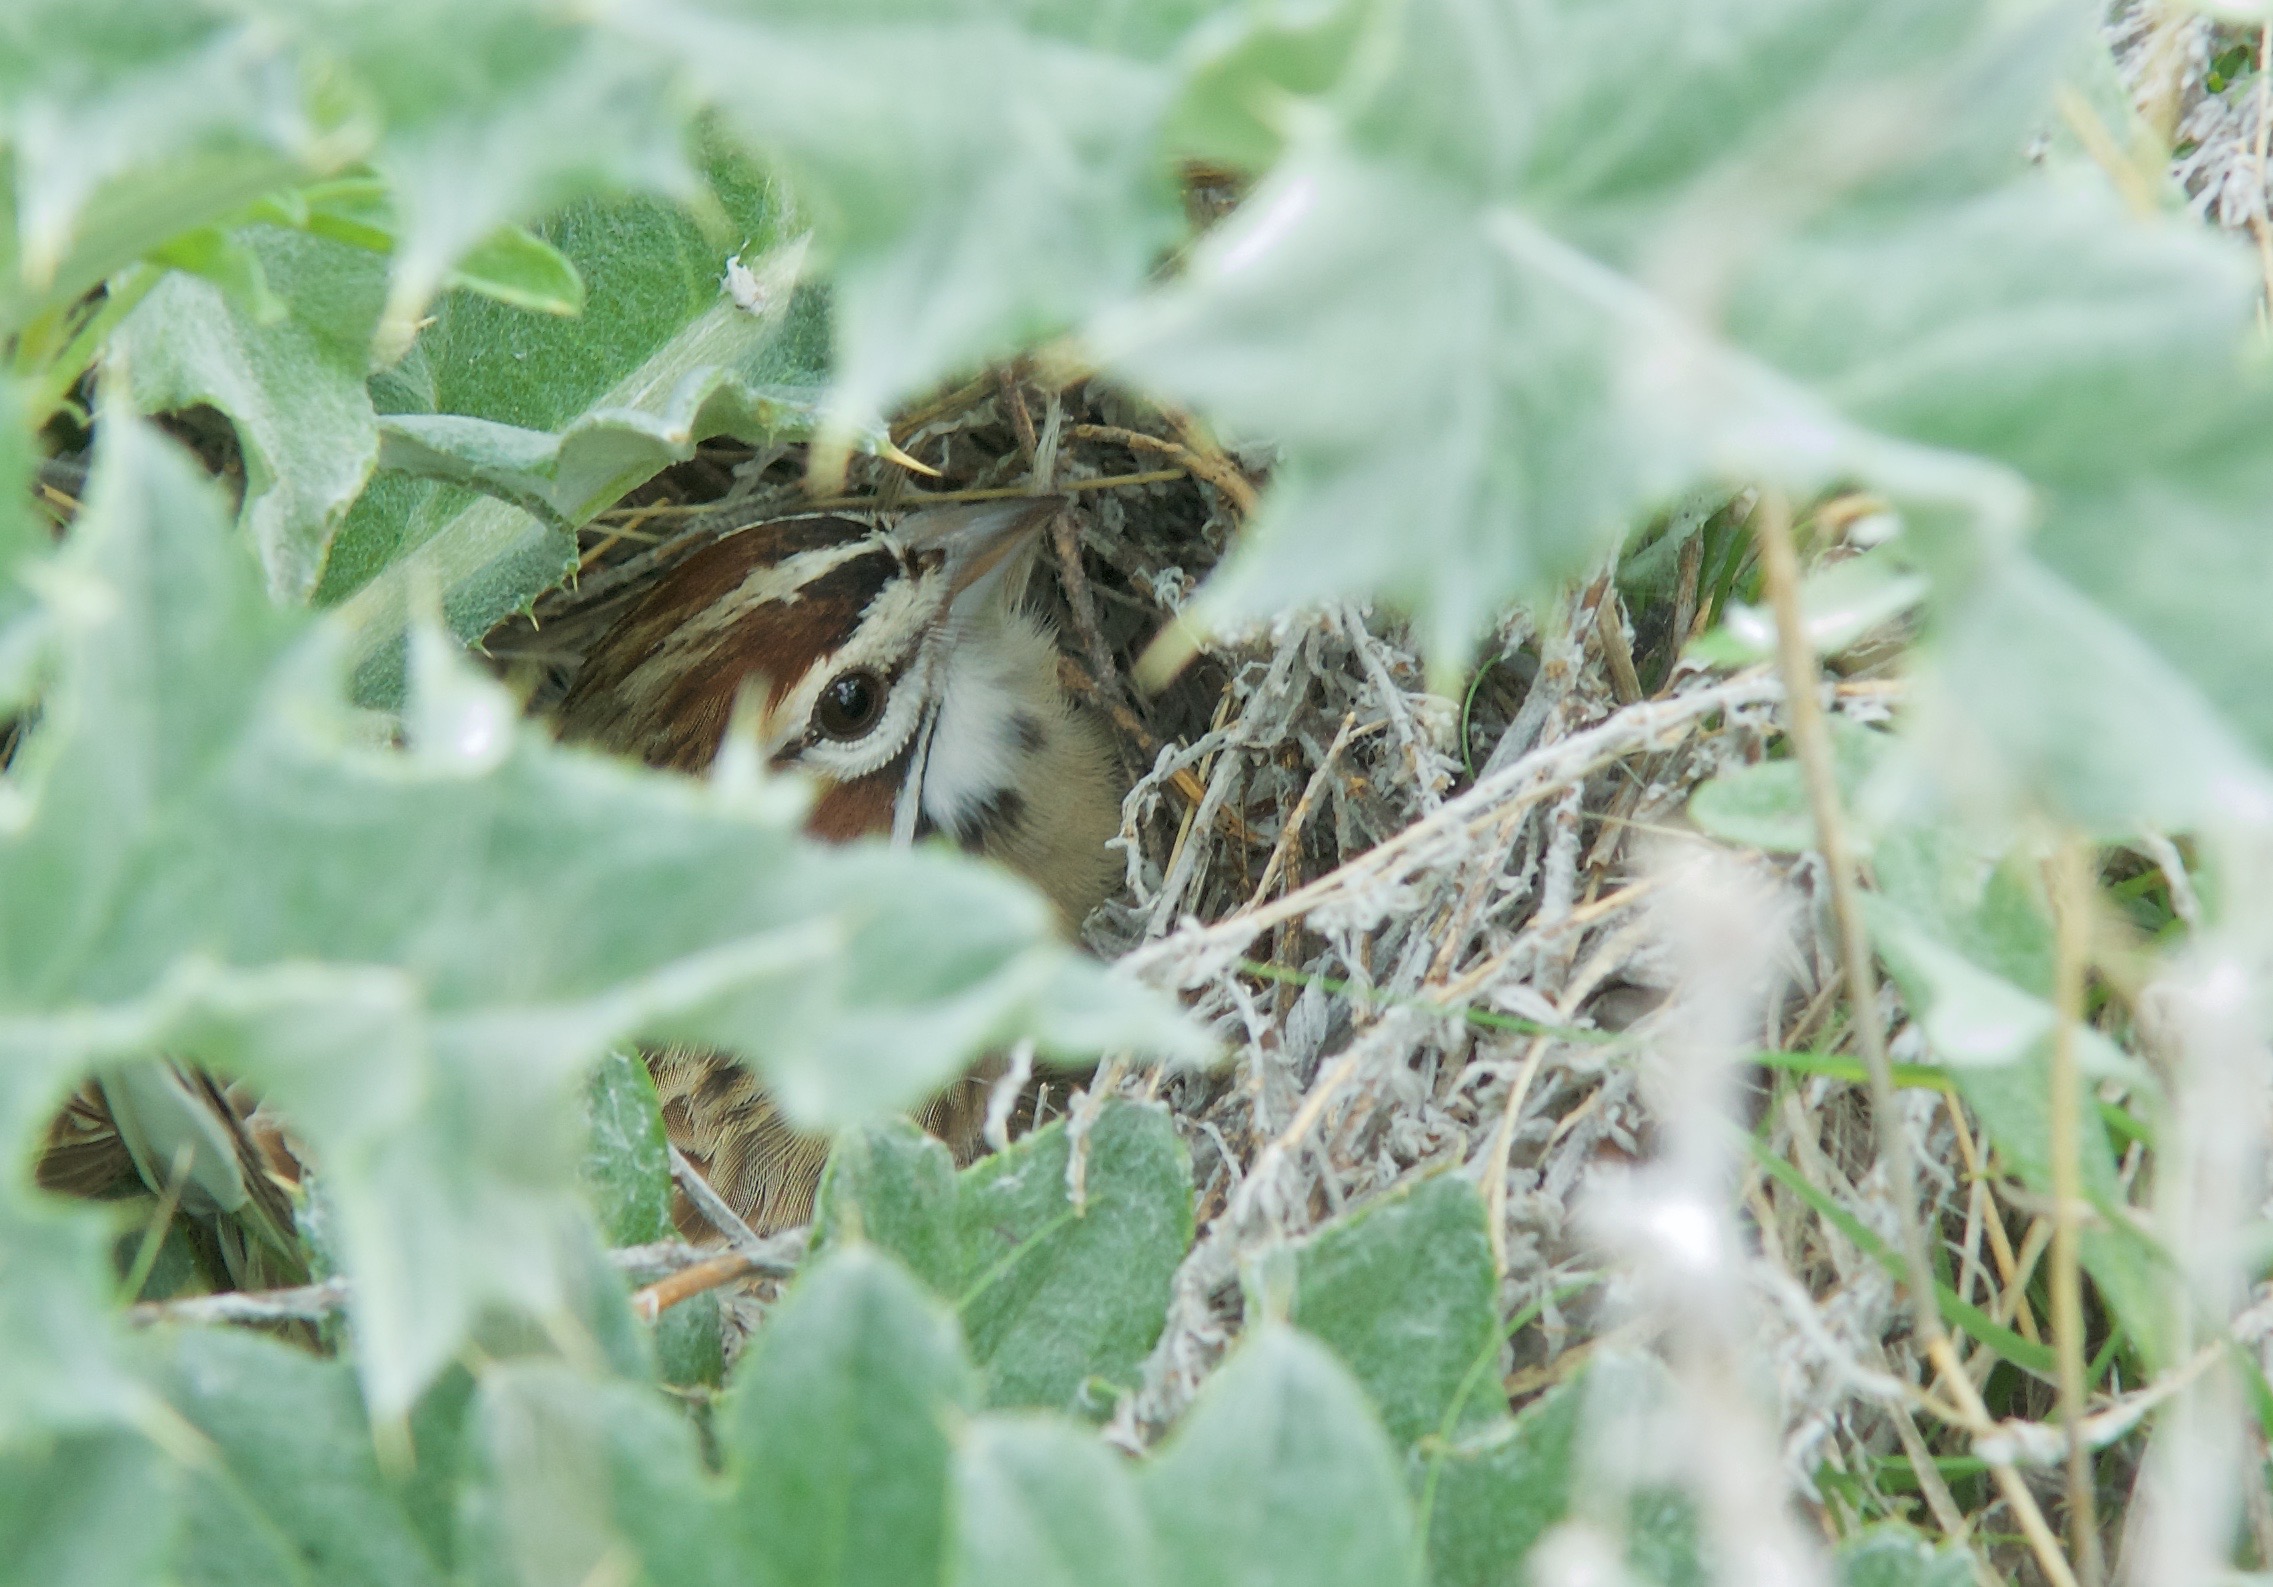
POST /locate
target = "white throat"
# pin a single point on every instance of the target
(993, 714)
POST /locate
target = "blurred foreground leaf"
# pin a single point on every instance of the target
(1045, 1504)
(978, 183)
(1280, 1474)
(293, 385)
(837, 1430)
(1060, 1302)
(414, 952)
(293, 1491)
(1896, 1556)
(1403, 1292)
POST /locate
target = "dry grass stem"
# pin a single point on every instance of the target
(2069, 891)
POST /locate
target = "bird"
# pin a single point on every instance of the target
(900, 671)
(174, 1132)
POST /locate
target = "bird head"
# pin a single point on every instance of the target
(855, 641)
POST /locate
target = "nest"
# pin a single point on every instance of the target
(1422, 927)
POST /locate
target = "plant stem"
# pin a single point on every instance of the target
(1811, 743)
(1810, 733)
(2070, 894)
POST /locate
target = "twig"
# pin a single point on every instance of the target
(1811, 743)
(1290, 831)
(1610, 623)
(2071, 925)
(1065, 539)
(963, 397)
(1217, 471)
(1075, 677)
(713, 1207)
(2135, 186)
(1503, 1142)
(1014, 404)
(910, 499)
(1685, 603)
(1529, 779)
(656, 1298)
(313, 1302)
(306, 1303)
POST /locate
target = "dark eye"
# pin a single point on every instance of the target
(849, 704)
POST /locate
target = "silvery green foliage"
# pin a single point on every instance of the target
(416, 949)
(1510, 277)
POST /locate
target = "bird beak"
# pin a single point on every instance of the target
(977, 538)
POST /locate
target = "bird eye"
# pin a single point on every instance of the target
(850, 704)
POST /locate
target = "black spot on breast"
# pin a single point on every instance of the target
(1026, 729)
(1003, 810)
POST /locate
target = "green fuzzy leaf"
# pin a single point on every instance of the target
(1765, 806)
(626, 1173)
(291, 383)
(1062, 1302)
(1895, 1556)
(2103, 669)
(22, 536)
(486, 117)
(1088, 1007)
(1471, 416)
(129, 122)
(1428, 307)
(1043, 1504)
(1492, 1494)
(835, 1432)
(62, 1363)
(1403, 1292)
(627, 1155)
(1246, 70)
(226, 260)
(595, 1313)
(415, 952)
(1280, 1474)
(562, 478)
(978, 183)
(92, 1509)
(561, 416)
(523, 271)
(1059, 1304)
(293, 1491)
(2036, 693)
(438, 1444)
(1973, 957)
(892, 1184)
(576, 1477)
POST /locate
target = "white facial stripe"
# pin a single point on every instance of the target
(897, 633)
(687, 645)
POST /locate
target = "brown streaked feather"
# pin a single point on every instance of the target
(719, 1115)
(675, 717)
(83, 1155)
